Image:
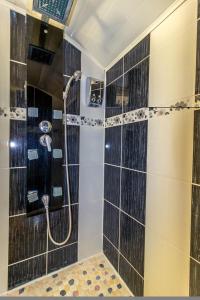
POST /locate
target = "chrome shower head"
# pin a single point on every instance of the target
(77, 75)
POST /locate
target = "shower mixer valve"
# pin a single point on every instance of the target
(46, 140)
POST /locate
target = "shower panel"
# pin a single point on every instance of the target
(45, 157)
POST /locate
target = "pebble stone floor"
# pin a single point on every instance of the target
(93, 277)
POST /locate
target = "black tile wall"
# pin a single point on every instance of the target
(73, 138)
(18, 77)
(126, 148)
(17, 37)
(133, 194)
(197, 88)
(134, 141)
(113, 145)
(132, 242)
(110, 252)
(194, 278)
(195, 223)
(74, 185)
(111, 223)
(27, 237)
(114, 96)
(131, 277)
(112, 184)
(196, 148)
(195, 211)
(18, 191)
(62, 257)
(137, 54)
(18, 143)
(26, 271)
(136, 83)
(59, 224)
(73, 99)
(72, 59)
(115, 72)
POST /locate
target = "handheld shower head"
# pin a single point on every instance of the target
(76, 76)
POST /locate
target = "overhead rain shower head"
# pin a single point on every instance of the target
(59, 10)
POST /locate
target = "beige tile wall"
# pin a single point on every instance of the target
(169, 163)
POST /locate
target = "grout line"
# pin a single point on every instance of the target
(196, 184)
(18, 62)
(134, 170)
(71, 165)
(118, 275)
(73, 204)
(124, 73)
(49, 251)
(13, 216)
(15, 263)
(121, 210)
(124, 257)
(44, 253)
(12, 168)
(195, 260)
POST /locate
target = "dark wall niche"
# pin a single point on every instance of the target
(45, 60)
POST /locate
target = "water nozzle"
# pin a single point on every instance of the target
(45, 200)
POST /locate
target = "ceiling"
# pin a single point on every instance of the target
(106, 27)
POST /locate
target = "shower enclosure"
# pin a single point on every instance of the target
(132, 156)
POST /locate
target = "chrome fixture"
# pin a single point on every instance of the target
(46, 140)
(45, 199)
(76, 76)
(59, 10)
(45, 126)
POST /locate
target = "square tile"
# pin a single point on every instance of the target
(17, 36)
(26, 271)
(132, 240)
(194, 278)
(111, 223)
(62, 257)
(113, 145)
(134, 145)
(139, 52)
(112, 184)
(72, 59)
(18, 76)
(134, 282)
(196, 148)
(133, 194)
(4, 142)
(195, 223)
(74, 184)
(111, 253)
(27, 237)
(73, 137)
(115, 71)
(18, 143)
(136, 87)
(18, 191)
(59, 224)
(73, 99)
(114, 96)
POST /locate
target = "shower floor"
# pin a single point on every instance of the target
(92, 277)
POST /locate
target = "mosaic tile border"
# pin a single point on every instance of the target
(83, 121)
(13, 113)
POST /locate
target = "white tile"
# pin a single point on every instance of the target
(166, 268)
(170, 145)
(173, 57)
(168, 210)
(5, 56)
(4, 225)
(4, 142)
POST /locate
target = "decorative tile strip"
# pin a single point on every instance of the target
(77, 120)
(113, 121)
(137, 115)
(13, 113)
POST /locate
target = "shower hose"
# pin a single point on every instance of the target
(67, 177)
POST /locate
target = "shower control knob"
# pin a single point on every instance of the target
(45, 126)
(46, 140)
